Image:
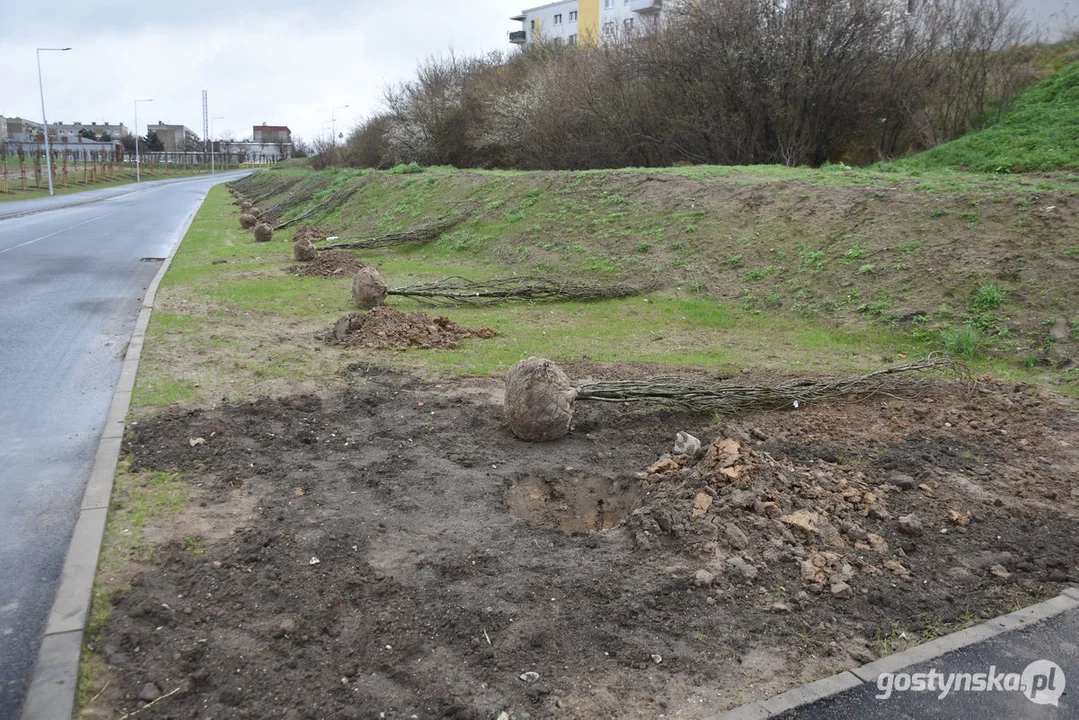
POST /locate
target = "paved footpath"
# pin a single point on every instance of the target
(1018, 666)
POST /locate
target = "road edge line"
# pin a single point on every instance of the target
(55, 679)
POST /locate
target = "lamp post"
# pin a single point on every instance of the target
(333, 123)
(44, 122)
(138, 176)
(213, 150)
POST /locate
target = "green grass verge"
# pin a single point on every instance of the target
(124, 176)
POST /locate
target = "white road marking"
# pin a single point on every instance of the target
(46, 237)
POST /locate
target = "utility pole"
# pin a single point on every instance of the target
(44, 122)
(138, 176)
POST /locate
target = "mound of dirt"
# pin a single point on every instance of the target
(386, 328)
(926, 504)
(312, 232)
(329, 263)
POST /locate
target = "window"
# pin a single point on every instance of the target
(628, 23)
(573, 16)
(608, 4)
(558, 42)
(558, 19)
(571, 40)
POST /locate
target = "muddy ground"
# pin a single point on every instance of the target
(393, 552)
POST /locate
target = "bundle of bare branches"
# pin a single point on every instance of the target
(337, 197)
(424, 233)
(456, 290)
(539, 401)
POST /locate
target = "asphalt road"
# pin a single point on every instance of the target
(72, 278)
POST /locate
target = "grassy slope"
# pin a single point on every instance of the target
(782, 270)
(1039, 132)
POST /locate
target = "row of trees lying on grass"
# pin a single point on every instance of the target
(716, 81)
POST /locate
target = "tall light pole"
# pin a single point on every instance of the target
(138, 176)
(44, 122)
(333, 123)
(212, 149)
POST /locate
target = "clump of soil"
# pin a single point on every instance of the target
(393, 549)
(263, 233)
(328, 263)
(304, 251)
(539, 400)
(387, 328)
(368, 288)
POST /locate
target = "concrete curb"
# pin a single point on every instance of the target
(56, 673)
(797, 697)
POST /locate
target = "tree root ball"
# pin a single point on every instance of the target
(539, 400)
(368, 288)
(245, 206)
(247, 221)
(263, 233)
(304, 250)
(255, 211)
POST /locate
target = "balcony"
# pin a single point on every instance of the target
(517, 37)
(646, 7)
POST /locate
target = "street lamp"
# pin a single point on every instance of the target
(44, 122)
(212, 149)
(138, 176)
(333, 123)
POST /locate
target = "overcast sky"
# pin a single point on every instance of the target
(282, 63)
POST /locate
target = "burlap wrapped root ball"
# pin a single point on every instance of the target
(368, 288)
(539, 400)
(263, 233)
(246, 206)
(304, 250)
(247, 221)
(254, 211)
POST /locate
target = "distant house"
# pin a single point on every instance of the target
(176, 138)
(72, 130)
(272, 134)
(17, 129)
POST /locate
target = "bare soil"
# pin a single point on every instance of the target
(393, 552)
(386, 328)
(329, 263)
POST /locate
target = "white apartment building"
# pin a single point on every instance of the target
(583, 22)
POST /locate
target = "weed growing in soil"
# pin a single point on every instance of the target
(987, 297)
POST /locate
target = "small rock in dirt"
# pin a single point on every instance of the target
(530, 676)
(903, 482)
(780, 607)
(703, 578)
(758, 434)
(860, 655)
(686, 444)
(657, 658)
(663, 465)
(910, 525)
(841, 590)
(287, 625)
(1000, 571)
(747, 571)
(701, 503)
(736, 536)
(149, 693)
